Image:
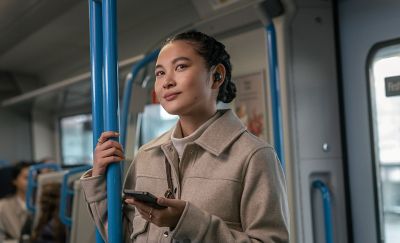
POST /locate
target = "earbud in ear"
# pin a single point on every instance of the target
(217, 76)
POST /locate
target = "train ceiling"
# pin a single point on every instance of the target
(45, 41)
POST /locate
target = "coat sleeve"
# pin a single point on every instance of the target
(94, 188)
(263, 208)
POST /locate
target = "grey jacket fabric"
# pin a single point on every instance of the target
(12, 218)
(232, 182)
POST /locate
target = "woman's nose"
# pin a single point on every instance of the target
(169, 83)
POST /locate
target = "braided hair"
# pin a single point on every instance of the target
(214, 53)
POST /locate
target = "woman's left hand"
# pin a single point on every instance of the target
(167, 217)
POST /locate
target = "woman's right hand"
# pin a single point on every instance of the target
(107, 151)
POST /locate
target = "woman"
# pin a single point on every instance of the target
(13, 212)
(228, 184)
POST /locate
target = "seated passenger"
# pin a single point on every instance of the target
(49, 228)
(13, 212)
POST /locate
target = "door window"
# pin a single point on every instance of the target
(384, 70)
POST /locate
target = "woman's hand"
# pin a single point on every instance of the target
(107, 151)
(167, 217)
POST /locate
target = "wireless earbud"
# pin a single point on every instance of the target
(217, 76)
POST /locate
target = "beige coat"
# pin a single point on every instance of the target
(232, 181)
(12, 218)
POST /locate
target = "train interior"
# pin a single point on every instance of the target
(322, 86)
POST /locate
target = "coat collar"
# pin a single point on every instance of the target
(215, 139)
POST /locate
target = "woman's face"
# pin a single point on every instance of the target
(22, 180)
(183, 84)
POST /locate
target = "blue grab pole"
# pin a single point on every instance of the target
(327, 209)
(275, 91)
(114, 201)
(128, 93)
(96, 58)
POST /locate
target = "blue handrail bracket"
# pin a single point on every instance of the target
(128, 92)
(327, 209)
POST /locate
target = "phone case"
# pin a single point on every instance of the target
(145, 197)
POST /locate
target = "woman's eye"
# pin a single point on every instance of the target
(159, 73)
(181, 67)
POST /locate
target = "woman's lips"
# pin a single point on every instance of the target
(171, 96)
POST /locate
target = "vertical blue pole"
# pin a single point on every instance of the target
(275, 91)
(114, 201)
(96, 58)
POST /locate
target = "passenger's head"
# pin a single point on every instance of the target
(193, 68)
(20, 176)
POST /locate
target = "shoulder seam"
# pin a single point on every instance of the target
(250, 156)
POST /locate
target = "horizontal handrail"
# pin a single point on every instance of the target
(326, 198)
(32, 182)
(60, 85)
(66, 191)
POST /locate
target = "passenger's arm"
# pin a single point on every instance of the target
(264, 210)
(94, 188)
(94, 183)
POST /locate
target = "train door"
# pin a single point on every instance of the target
(369, 49)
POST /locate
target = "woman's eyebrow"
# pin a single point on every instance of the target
(174, 61)
(180, 59)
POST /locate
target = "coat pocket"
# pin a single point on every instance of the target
(140, 227)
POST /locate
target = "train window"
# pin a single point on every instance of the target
(384, 86)
(76, 139)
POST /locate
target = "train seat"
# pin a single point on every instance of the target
(83, 228)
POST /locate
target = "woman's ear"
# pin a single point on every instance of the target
(218, 76)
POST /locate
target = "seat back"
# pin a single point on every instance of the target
(83, 228)
(43, 179)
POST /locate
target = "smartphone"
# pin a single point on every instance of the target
(145, 197)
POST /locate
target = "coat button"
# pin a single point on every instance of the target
(166, 234)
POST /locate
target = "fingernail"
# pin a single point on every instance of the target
(116, 133)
